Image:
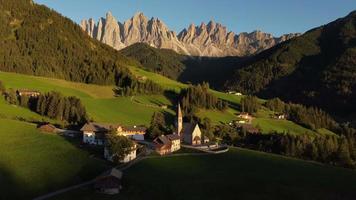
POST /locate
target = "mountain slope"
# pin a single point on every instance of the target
(317, 68)
(181, 67)
(210, 39)
(38, 41)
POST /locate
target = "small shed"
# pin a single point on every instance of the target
(109, 182)
(48, 128)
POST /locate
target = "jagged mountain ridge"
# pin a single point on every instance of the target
(212, 39)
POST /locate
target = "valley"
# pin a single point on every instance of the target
(130, 109)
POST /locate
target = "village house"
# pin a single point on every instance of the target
(166, 144)
(244, 118)
(28, 93)
(162, 145)
(128, 157)
(94, 133)
(109, 182)
(189, 133)
(175, 142)
(279, 116)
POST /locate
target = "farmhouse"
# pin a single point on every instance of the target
(109, 182)
(28, 93)
(166, 144)
(175, 142)
(189, 133)
(94, 133)
(244, 118)
(162, 145)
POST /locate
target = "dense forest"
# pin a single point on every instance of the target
(317, 68)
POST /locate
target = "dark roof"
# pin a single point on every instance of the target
(112, 172)
(188, 128)
(95, 127)
(173, 137)
(164, 139)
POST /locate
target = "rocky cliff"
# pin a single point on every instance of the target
(212, 39)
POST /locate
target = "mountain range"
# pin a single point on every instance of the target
(212, 39)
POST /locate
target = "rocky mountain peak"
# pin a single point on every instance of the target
(211, 39)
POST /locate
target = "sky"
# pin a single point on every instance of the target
(273, 16)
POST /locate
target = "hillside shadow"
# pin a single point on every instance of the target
(10, 186)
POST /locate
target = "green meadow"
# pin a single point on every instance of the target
(33, 163)
(102, 106)
(238, 174)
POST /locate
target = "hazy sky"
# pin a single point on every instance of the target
(273, 16)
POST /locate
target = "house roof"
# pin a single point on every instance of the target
(172, 137)
(162, 140)
(27, 90)
(105, 127)
(112, 172)
(188, 128)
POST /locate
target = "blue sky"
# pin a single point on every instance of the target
(274, 16)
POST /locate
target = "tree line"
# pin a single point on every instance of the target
(52, 104)
(330, 149)
(199, 96)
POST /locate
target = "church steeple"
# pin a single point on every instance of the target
(179, 120)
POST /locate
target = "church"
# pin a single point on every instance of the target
(189, 133)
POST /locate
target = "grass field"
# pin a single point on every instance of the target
(33, 163)
(238, 174)
(102, 106)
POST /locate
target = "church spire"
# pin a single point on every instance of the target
(179, 120)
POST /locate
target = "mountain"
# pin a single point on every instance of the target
(38, 41)
(211, 40)
(317, 68)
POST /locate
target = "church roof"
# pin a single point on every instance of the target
(188, 128)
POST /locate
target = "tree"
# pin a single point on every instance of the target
(119, 146)
(157, 126)
(343, 152)
(2, 88)
(250, 104)
(11, 96)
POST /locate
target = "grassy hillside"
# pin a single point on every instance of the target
(102, 106)
(33, 163)
(238, 174)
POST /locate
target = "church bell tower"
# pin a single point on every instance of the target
(179, 120)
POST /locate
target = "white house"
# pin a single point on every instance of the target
(175, 142)
(94, 133)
